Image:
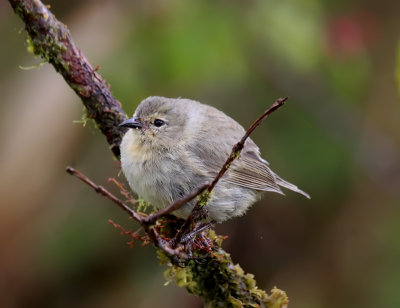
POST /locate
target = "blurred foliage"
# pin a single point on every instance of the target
(337, 138)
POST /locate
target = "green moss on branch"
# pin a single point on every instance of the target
(220, 282)
(51, 39)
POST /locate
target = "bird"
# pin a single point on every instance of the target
(174, 145)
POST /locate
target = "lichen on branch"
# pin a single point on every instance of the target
(221, 283)
(51, 40)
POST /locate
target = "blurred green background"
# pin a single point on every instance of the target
(337, 138)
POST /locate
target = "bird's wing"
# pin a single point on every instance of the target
(249, 170)
(253, 173)
(212, 136)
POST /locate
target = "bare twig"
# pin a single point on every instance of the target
(148, 220)
(235, 153)
(101, 190)
(134, 235)
(237, 148)
(164, 245)
(151, 232)
(176, 205)
(127, 194)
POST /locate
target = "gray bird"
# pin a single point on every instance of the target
(176, 144)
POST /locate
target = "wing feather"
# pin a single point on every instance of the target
(249, 170)
(256, 174)
(250, 173)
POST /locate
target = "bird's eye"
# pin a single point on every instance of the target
(158, 123)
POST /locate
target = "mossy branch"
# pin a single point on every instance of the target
(51, 40)
(223, 284)
(218, 280)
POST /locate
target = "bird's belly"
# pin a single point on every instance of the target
(144, 178)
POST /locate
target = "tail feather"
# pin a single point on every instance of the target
(283, 183)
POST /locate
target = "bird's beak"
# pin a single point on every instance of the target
(132, 123)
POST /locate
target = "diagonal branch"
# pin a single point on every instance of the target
(52, 41)
(176, 205)
(151, 232)
(235, 153)
(101, 190)
(238, 147)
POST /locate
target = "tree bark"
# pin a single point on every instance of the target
(50, 39)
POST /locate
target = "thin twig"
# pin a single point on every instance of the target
(176, 205)
(235, 153)
(123, 191)
(101, 190)
(237, 148)
(151, 232)
(141, 219)
(164, 245)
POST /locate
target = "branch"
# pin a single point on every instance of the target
(238, 147)
(235, 153)
(217, 280)
(101, 190)
(176, 205)
(151, 232)
(52, 41)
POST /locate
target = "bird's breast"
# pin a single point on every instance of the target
(154, 175)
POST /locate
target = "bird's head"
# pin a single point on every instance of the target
(158, 122)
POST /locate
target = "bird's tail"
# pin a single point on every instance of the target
(283, 183)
